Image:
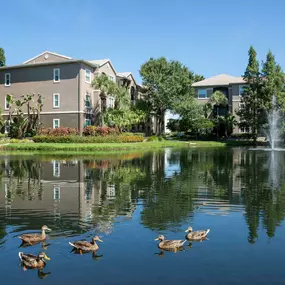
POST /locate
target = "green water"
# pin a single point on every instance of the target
(129, 199)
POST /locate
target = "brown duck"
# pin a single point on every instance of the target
(35, 237)
(169, 244)
(33, 261)
(196, 236)
(83, 245)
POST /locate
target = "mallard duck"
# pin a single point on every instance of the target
(33, 261)
(35, 237)
(198, 235)
(83, 245)
(169, 244)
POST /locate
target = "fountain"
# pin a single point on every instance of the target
(274, 117)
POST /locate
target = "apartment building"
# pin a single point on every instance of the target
(65, 84)
(231, 86)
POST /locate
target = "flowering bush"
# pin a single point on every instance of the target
(99, 131)
(89, 131)
(87, 139)
(59, 131)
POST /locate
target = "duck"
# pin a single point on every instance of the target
(169, 244)
(83, 245)
(198, 235)
(33, 261)
(31, 238)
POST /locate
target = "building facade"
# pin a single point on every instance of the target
(232, 87)
(66, 86)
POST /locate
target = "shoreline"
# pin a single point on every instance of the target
(99, 147)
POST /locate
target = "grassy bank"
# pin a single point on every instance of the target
(90, 146)
(96, 147)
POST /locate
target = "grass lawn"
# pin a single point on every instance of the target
(86, 147)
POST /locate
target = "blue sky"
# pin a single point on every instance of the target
(210, 37)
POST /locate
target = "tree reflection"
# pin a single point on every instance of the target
(170, 185)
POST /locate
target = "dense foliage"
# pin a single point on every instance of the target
(88, 139)
(2, 57)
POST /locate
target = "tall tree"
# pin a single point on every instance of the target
(167, 84)
(2, 57)
(273, 83)
(252, 103)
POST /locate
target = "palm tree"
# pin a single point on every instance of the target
(106, 87)
(217, 99)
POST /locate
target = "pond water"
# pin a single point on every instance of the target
(129, 199)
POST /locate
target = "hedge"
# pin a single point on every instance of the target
(59, 131)
(88, 139)
(99, 131)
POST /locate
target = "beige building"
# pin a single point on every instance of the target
(231, 86)
(65, 84)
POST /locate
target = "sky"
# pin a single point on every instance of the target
(209, 36)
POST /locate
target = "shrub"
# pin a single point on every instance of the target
(19, 141)
(87, 139)
(154, 139)
(89, 131)
(99, 131)
(102, 131)
(59, 131)
(133, 134)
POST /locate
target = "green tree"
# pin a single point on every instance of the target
(252, 108)
(106, 87)
(273, 83)
(24, 115)
(2, 57)
(197, 77)
(124, 118)
(123, 115)
(167, 84)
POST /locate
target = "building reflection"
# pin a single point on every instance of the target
(80, 194)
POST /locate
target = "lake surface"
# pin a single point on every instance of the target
(129, 199)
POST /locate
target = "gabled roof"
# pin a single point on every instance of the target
(101, 62)
(47, 63)
(219, 80)
(53, 53)
(124, 74)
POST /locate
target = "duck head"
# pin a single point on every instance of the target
(42, 256)
(189, 229)
(96, 238)
(160, 237)
(45, 228)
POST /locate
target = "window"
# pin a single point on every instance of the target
(88, 122)
(7, 79)
(241, 105)
(111, 191)
(56, 100)
(56, 75)
(6, 190)
(87, 76)
(242, 89)
(244, 130)
(56, 123)
(111, 77)
(87, 100)
(202, 94)
(7, 105)
(56, 193)
(132, 93)
(111, 102)
(56, 168)
(88, 191)
(7, 126)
